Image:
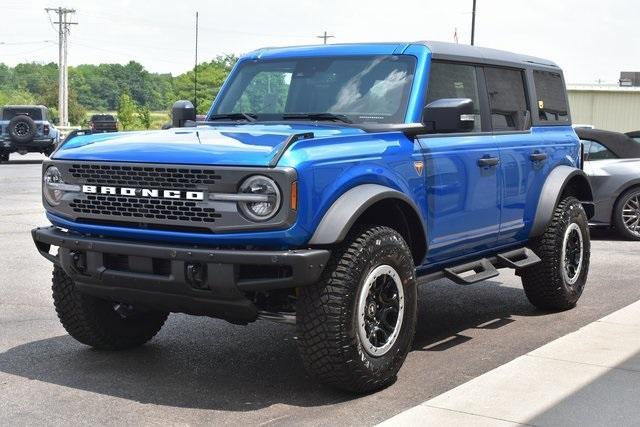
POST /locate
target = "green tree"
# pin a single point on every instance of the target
(211, 76)
(144, 115)
(126, 111)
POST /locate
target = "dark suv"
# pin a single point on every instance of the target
(103, 123)
(324, 183)
(26, 129)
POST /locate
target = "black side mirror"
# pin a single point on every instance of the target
(449, 115)
(181, 112)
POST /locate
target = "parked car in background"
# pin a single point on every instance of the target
(103, 123)
(612, 163)
(26, 129)
(634, 135)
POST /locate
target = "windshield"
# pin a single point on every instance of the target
(364, 89)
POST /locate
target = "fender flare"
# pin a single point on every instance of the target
(346, 210)
(552, 190)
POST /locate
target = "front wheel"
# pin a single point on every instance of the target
(558, 281)
(356, 326)
(100, 323)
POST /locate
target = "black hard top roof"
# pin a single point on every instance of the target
(618, 143)
(461, 52)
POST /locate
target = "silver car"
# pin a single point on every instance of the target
(612, 162)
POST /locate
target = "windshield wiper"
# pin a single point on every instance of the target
(250, 117)
(318, 116)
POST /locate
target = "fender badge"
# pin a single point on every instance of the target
(419, 167)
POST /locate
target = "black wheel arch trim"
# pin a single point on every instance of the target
(349, 207)
(553, 188)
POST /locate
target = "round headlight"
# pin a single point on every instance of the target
(52, 181)
(265, 201)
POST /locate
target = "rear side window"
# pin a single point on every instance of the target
(507, 99)
(447, 80)
(552, 98)
(597, 151)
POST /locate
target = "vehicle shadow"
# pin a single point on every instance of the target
(605, 233)
(209, 364)
(446, 309)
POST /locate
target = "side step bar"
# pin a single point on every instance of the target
(487, 268)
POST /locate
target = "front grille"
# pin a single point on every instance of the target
(143, 208)
(135, 210)
(144, 176)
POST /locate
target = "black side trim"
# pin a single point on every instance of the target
(285, 146)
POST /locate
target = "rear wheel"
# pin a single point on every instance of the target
(356, 326)
(558, 281)
(626, 214)
(99, 323)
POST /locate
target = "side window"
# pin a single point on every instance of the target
(507, 99)
(552, 99)
(448, 80)
(597, 151)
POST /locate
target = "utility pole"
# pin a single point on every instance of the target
(195, 72)
(473, 24)
(63, 78)
(325, 36)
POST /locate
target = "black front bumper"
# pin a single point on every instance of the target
(193, 280)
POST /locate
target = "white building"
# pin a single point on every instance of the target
(608, 107)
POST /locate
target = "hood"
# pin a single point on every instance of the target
(241, 145)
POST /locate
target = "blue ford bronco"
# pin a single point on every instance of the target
(325, 183)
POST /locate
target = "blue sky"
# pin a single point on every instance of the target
(590, 39)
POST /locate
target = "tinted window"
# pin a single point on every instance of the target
(10, 113)
(448, 80)
(365, 89)
(552, 99)
(507, 99)
(597, 151)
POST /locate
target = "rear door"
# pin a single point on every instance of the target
(462, 172)
(523, 152)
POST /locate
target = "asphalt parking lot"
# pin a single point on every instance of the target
(205, 371)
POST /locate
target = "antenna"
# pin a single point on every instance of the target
(195, 72)
(473, 23)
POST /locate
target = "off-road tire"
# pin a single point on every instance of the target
(618, 221)
(328, 338)
(544, 283)
(94, 322)
(22, 129)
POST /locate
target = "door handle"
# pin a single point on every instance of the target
(488, 161)
(538, 156)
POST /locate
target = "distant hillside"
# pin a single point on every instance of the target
(99, 87)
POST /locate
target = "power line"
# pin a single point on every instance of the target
(325, 36)
(63, 79)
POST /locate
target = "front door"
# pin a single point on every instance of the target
(462, 174)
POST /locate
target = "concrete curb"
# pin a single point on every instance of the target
(588, 378)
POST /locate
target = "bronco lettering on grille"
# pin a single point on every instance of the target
(143, 192)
